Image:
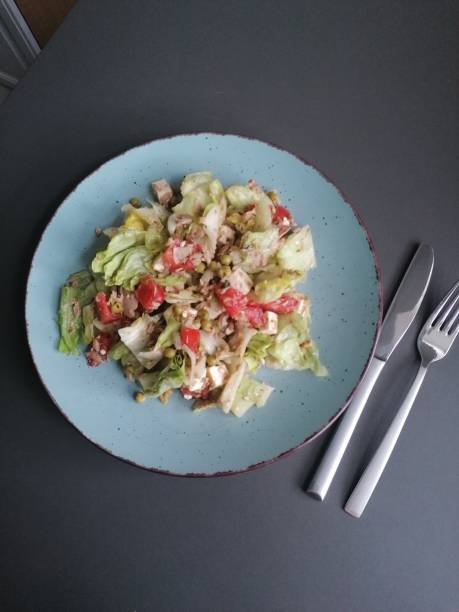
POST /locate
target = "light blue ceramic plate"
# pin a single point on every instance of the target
(344, 290)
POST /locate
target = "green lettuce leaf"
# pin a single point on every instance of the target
(171, 376)
(80, 280)
(257, 350)
(118, 350)
(87, 315)
(193, 180)
(123, 240)
(271, 289)
(166, 337)
(239, 197)
(69, 320)
(136, 263)
(293, 348)
(250, 393)
(263, 213)
(297, 252)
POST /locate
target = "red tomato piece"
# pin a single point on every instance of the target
(190, 337)
(173, 264)
(283, 305)
(149, 294)
(232, 300)
(281, 213)
(254, 315)
(103, 309)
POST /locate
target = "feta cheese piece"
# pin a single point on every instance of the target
(270, 327)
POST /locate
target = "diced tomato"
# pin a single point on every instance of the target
(103, 309)
(190, 337)
(149, 294)
(254, 315)
(232, 300)
(281, 213)
(170, 261)
(283, 305)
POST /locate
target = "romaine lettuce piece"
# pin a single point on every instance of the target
(166, 337)
(171, 376)
(88, 294)
(136, 263)
(120, 242)
(257, 248)
(155, 238)
(69, 320)
(250, 393)
(211, 221)
(193, 180)
(297, 252)
(80, 280)
(263, 212)
(87, 315)
(292, 348)
(271, 289)
(136, 338)
(257, 350)
(239, 197)
(228, 394)
(118, 350)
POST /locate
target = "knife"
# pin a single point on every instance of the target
(399, 317)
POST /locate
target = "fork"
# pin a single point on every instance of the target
(434, 341)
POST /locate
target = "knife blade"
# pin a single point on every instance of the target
(398, 319)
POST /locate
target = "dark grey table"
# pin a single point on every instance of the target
(368, 92)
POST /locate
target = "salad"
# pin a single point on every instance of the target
(195, 291)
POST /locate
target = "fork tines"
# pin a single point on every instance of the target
(446, 315)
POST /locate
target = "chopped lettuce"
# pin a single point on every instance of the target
(239, 197)
(118, 351)
(257, 350)
(88, 323)
(173, 280)
(292, 348)
(191, 181)
(194, 202)
(297, 252)
(263, 213)
(136, 338)
(170, 376)
(212, 220)
(228, 394)
(120, 242)
(155, 239)
(80, 280)
(271, 289)
(136, 263)
(166, 337)
(88, 294)
(69, 320)
(257, 248)
(250, 393)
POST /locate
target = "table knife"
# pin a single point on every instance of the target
(399, 317)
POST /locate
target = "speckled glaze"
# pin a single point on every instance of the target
(345, 291)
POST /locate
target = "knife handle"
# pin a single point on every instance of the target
(323, 477)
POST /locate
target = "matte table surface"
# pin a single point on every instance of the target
(368, 92)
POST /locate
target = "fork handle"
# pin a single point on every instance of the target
(363, 490)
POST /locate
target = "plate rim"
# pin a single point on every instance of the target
(309, 438)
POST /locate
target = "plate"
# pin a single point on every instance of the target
(344, 289)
